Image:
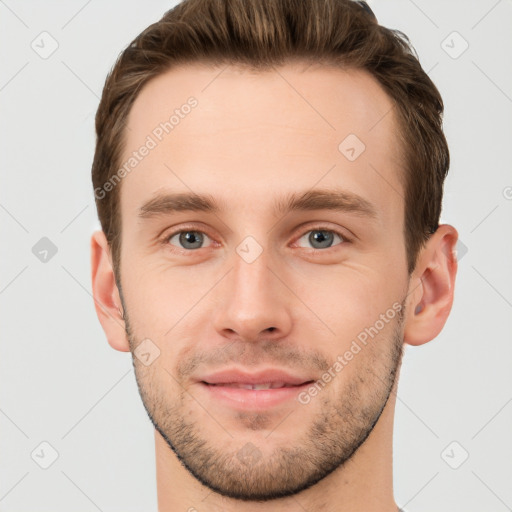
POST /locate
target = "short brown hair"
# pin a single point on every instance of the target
(266, 33)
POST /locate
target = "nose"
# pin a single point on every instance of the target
(254, 301)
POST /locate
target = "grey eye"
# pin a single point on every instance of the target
(189, 239)
(321, 238)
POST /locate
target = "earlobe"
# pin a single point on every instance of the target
(107, 300)
(431, 287)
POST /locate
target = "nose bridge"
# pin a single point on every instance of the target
(251, 274)
(254, 299)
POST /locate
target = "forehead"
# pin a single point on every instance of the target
(213, 129)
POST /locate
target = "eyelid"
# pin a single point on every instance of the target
(165, 239)
(303, 230)
(322, 227)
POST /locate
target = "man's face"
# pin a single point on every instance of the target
(251, 288)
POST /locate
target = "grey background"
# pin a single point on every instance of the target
(60, 382)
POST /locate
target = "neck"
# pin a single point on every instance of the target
(364, 483)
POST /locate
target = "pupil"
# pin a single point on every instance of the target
(320, 237)
(188, 238)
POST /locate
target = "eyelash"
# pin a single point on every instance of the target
(166, 239)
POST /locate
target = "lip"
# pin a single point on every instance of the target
(261, 377)
(216, 386)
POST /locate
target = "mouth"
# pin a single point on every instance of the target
(270, 378)
(265, 385)
(256, 391)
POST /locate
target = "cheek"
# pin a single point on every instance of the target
(343, 302)
(160, 298)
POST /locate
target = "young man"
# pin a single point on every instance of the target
(269, 177)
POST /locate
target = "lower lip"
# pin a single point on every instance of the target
(254, 399)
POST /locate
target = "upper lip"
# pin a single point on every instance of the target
(261, 377)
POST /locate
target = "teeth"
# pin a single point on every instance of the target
(270, 385)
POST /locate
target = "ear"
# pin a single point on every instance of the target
(431, 287)
(107, 300)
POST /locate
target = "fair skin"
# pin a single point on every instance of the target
(255, 138)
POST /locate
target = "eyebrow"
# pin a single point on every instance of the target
(310, 200)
